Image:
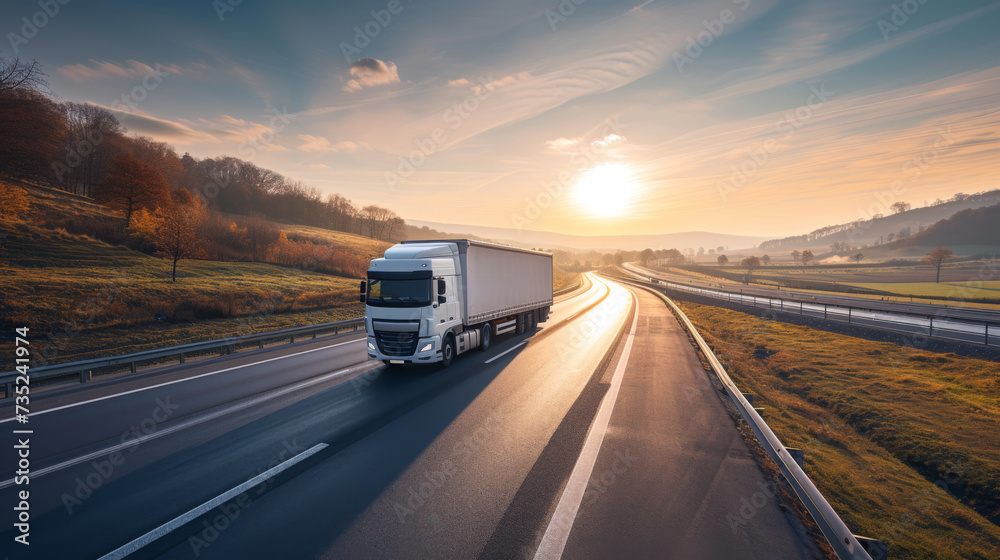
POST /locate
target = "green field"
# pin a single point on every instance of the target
(967, 290)
(901, 441)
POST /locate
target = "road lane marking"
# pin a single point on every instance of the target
(81, 403)
(505, 352)
(557, 533)
(179, 521)
(247, 403)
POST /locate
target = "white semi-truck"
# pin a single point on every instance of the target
(429, 301)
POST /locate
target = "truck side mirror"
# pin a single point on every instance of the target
(364, 286)
(442, 287)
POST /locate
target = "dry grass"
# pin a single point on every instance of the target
(74, 291)
(885, 428)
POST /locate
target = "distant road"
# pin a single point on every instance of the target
(942, 311)
(462, 462)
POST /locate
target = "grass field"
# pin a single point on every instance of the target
(901, 441)
(55, 282)
(371, 248)
(974, 289)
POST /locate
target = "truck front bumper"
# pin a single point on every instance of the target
(428, 351)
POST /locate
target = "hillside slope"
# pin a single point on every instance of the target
(972, 226)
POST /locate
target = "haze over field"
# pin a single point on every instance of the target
(750, 117)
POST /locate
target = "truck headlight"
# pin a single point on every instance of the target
(426, 347)
(371, 345)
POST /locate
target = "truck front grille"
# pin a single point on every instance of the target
(396, 343)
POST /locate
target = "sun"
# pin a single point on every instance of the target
(605, 190)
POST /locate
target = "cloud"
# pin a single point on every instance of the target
(499, 83)
(369, 72)
(572, 145)
(319, 166)
(320, 144)
(459, 82)
(161, 129)
(131, 69)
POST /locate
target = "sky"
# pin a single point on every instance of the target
(753, 117)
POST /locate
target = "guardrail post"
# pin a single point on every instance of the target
(314, 335)
(8, 390)
(930, 330)
(760, 411)
(824, 311)
(849, 315)
(84, 375)
(180, 358)
(131, 367)
(291, 339)
(748, 397)
(260, 344)
(987, 340)
(797, 454)
(875, 548)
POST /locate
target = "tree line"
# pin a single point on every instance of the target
(83, 149)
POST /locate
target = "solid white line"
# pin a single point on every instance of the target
(253, 401)
(169, 526)
(505, 352)
(557, 533)
(81, 403)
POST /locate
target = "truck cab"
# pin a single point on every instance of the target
(412, 302)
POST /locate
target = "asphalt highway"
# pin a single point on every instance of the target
(310, 450)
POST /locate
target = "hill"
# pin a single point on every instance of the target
(601, 243)
(879, 230)
(972, 227)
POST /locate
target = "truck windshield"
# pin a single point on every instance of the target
(399, 293)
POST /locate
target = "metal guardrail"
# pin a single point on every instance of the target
(844, 543)
(85, 368)
(983, 333)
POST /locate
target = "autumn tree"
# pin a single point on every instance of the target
(807, 256)
(750, 263)
(260, 234)
(172, 229)
(32, 129)
(93, 138)
(646, 256)
(766, 260)
(130, 185)
(796, 256)
(938, 257)
(723, 260)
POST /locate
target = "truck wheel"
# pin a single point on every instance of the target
(532, 321)
(519, 324)
(448, 351)
(485, 337)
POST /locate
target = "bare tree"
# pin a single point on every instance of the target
(938, 257)
(750, 263)
(15, 74)
(900, 207)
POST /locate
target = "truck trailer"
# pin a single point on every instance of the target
(429, 301)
